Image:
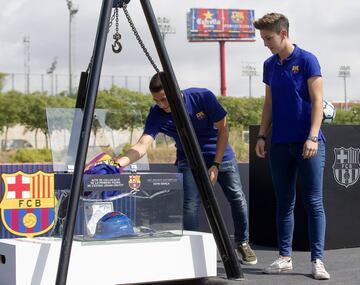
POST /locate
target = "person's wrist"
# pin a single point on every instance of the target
(216, 164)
(313, 138)
(261, 137)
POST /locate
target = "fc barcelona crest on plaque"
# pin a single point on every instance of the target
(27, 207)
(134, 182)
(346, 167)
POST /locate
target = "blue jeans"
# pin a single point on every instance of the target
(286, 163)
(229, 180)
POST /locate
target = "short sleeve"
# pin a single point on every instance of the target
(266, 74)
(212, 107)
(312, 66)
(152, 123)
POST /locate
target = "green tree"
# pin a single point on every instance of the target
(61, 113)
(11, 107)
(242, 112)
(350, 117)
(134, 100)
(33, 116)
(128, 109)
(2, 80)
(356, 113)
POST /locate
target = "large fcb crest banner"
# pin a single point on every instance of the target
(220, 24)
(346, 167)
(27, 204)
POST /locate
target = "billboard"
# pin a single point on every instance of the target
(205, 24)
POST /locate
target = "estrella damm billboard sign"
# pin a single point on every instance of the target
(205, 24)
(28, 204)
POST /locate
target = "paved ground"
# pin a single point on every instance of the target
(342, 264)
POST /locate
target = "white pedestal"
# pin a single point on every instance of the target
(35, 261)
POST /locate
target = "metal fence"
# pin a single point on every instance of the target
(56, 83)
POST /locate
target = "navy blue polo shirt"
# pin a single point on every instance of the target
(291, 103)
(204, 110)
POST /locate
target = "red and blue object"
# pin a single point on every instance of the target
(114, 225)
(107, 166)
(96, 159)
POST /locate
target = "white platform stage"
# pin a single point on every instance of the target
(35, 261)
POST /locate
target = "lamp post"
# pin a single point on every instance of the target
(26, 42)
(50, 71)
(344, 72)
(72, 12)
(250, 71)
(165, 27)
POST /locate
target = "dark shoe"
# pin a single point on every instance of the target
(248, 256)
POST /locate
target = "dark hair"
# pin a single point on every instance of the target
(272, 22)
(155, 84)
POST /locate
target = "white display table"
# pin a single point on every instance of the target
(35, 261)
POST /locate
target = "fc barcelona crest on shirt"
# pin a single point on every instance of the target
(200, 115)
(134, 182)
(295, 69)
(346, 167)
(27, 207)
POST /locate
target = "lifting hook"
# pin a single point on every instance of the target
(116, 47)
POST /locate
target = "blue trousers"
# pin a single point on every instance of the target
(286, 163)
(229, 180)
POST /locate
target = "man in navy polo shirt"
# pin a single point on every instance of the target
(209, 122)
(293, 110)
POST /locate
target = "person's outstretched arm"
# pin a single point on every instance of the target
(136, 152)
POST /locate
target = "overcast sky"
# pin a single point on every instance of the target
(327, 28)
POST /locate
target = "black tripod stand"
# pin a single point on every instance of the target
(183, 125)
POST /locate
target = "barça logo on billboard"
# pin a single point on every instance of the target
(237, 16)
(346, 167)
(27, 207)
(134, 182)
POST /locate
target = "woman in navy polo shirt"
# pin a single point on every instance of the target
(208, 118)
(293, 111)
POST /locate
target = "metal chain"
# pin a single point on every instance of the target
(116, 21)
(112, 19)
(141, 43)
(116, 46)
(110, 24)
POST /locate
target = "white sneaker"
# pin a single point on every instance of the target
(282, 264)
(318, 270)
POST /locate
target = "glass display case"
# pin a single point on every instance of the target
(125, 206)
(133, 204)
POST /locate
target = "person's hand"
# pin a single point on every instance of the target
(260, 148)
(310, 149)
(213, 174)
(117, 159)
(116, 162)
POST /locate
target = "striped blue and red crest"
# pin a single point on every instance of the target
(134, 182)
(28, 204)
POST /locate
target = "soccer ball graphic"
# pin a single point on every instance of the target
(329, 112)
(29, 220)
